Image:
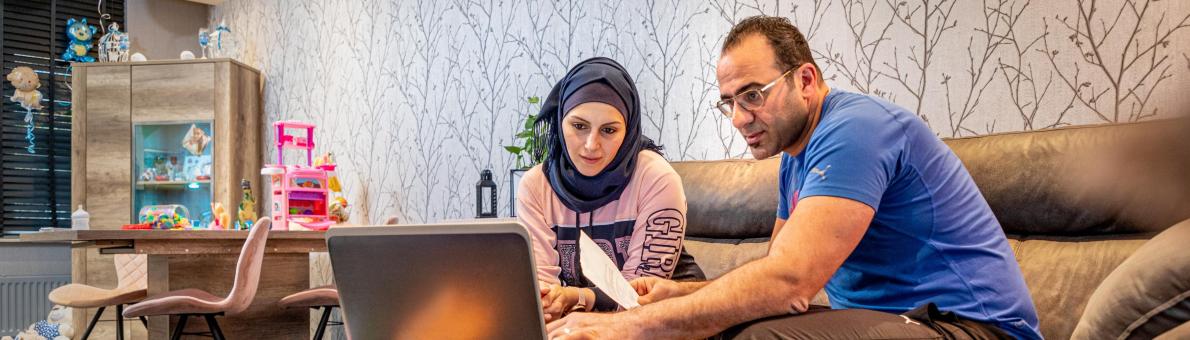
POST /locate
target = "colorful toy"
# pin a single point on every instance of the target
(25, 84)
(56, 326)
(247, 209)
(219, 217)
(113, 46)
(300, 194)
(80, 35)
(168, 216)
(137, 226)
(338, 207)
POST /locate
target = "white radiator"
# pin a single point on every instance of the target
(23, 300)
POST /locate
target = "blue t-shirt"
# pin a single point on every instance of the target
(933, 238)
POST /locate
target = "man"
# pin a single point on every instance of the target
(873, 207)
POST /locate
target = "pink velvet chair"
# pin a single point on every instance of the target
(324, 297)
(194, 302)
(130, 288)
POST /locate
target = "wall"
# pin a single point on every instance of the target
(415, 98)
(28, 272)
(162, 29)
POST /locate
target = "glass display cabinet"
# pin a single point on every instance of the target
(173, 166)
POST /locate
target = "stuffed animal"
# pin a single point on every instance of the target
(26, 83)
(338, 209)
(80, 35)
(56, 326)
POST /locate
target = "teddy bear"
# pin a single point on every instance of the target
(56, 326)
(26, 83)
(80, 35)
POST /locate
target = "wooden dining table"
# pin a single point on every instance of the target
(206, 259)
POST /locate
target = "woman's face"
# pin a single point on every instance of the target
(593, 132)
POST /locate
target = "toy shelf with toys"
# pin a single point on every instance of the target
(303, 196)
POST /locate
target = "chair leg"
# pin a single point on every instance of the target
(214, 325)
(91, 326)
(181, 326)
(119, 322)
(326, 316)
(145, 322)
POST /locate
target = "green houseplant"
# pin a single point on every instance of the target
(526, 148)
(529, 151)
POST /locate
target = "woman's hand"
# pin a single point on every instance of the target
(557, 300)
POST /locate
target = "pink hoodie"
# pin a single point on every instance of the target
(642, 231)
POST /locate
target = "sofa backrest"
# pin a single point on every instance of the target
(1067, 235)
(730, 199)
(1026, 178)
(1039, 183)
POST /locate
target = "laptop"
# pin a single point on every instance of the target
(441, 281)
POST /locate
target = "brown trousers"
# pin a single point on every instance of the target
(821, 322)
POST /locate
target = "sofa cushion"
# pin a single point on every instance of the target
(719, 256)
(1062, 272)
(1147, 295)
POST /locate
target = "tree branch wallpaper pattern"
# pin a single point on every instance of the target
(416, 97)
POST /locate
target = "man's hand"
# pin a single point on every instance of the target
(594, 326)
(557, 300)
(653, 289)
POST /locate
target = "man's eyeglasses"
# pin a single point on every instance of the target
(750, 100)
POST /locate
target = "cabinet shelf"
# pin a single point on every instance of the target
(151, 150)
(168, 184)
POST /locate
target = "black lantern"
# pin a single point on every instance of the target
(485, 196)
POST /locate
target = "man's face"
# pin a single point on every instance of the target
(778, 123)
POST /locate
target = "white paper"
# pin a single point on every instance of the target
(602, 272)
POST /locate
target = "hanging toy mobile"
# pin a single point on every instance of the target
(25, 82)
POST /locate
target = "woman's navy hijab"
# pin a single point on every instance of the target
(586, 193)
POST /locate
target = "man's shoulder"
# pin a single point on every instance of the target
(848, 109)
(850, 117)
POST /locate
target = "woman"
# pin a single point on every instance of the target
(603, 177)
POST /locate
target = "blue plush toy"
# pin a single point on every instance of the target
(80, 35)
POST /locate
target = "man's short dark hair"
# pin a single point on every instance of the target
(788, 44)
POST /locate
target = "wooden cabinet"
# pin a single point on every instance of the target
(111, 99)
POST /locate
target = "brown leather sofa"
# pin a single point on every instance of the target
(1066, 235)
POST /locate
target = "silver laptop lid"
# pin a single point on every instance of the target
(440, 281)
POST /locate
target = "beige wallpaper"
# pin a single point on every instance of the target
(416, 97)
